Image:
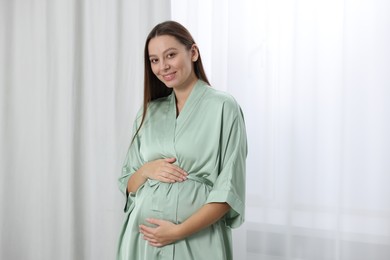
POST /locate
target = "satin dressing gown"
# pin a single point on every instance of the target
(208, 140)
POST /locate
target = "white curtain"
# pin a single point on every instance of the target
(313, 78)
(70, 84)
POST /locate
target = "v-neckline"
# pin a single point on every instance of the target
(193, 98)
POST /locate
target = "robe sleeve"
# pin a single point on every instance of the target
(131, 164)
(229, 186)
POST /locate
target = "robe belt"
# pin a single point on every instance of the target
(130, 204)
(200, 179)
(190, 177)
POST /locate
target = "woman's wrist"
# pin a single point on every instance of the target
(179, 232)
(135, 181)
(141, 173)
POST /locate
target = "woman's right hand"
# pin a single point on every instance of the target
(163, 170)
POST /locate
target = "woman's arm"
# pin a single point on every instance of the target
(135, 181)
(166, 232)
(204, 217)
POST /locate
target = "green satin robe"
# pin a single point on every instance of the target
(208, 140)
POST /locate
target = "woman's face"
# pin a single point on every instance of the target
(171, 62)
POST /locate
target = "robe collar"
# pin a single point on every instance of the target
(191, 103)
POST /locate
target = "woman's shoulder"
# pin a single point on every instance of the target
(152, 107)
(159, 105)
(159, 102)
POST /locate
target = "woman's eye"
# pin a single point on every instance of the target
(171, 55)
(153, 61)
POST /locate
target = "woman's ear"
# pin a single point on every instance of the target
(194, 52)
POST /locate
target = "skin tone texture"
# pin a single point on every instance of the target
(172, 63)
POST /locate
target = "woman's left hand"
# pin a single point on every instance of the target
(165, 233)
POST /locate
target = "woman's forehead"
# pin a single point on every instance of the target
(162, 43)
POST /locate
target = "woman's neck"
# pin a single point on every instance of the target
(182, 95)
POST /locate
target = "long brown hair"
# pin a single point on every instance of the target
(153, 87)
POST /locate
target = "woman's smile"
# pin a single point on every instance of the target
(169, 77)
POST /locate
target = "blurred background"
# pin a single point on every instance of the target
(313, 80)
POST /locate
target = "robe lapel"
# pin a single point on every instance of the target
(190, 105)
(170, 127)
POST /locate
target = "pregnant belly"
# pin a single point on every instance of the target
(174, 202)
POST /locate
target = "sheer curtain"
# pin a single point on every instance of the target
(70, 84)
(313, 78)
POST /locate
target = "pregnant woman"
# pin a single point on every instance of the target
(184, 173)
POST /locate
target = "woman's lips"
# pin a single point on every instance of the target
(169, 77)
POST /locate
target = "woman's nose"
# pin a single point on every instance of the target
(164, 66)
